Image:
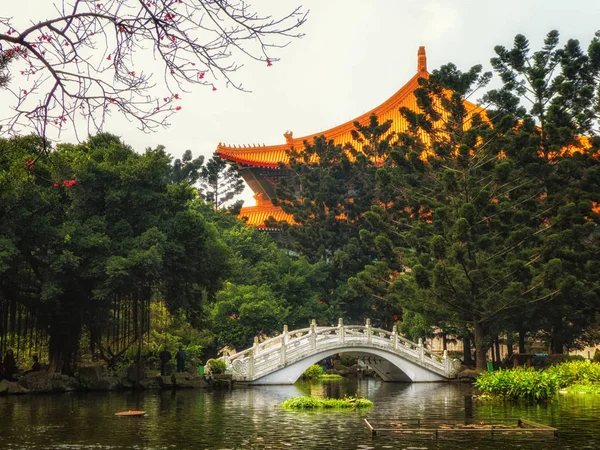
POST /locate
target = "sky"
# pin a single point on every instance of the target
(354, 55)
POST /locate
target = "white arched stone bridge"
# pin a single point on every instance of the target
(283, 359)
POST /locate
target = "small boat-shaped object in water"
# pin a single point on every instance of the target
(130, 413)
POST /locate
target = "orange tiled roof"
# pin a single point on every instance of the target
(272, 155)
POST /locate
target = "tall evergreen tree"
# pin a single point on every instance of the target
(220, 183)
(187, 169)
(551, 97)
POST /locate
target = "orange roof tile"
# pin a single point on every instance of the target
(264, 209)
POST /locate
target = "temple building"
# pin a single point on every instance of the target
(259, 165)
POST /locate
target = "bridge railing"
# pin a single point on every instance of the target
(266, 357)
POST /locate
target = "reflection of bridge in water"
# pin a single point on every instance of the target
(283, 359)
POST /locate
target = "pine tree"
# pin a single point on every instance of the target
(187, 169)
(220, 183)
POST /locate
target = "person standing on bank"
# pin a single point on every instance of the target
(180, 357)
(165, 357)
(10, 366)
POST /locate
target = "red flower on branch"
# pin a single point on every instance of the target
(269, 63)
(214, 88)
(395, 318)
(178, 108)
(176, 96)
(29, 163)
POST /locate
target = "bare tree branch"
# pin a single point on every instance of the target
(81, 64)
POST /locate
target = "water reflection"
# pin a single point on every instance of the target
(250, 418)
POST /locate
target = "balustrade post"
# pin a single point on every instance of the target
(446, 361)
(421, 350)
(395, 337)
(369, 331)
(313, 334)
(283, 348)
(342, 331)
(253, 353)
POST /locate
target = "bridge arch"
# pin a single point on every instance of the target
(283, 359)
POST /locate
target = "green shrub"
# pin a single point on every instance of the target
(326, 403)
(576, 372)
(217, 366)
(348, 360)
(314, 372)
(519, 383)
(534, 384)
(542, 362)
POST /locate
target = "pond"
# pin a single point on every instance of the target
(250, 418)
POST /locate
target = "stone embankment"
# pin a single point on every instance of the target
(95, 378)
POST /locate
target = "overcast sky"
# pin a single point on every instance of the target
(354, 55)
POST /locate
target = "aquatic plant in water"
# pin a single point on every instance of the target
(306, 402)
(528, 383)
(331, 376)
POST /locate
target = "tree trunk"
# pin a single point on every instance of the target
(498, 355)
(468, 358)
(63, 345)
(509, 344)
(522, 341)
(557, 344)
(480, 346)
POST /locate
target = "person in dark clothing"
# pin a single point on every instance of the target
(165, 357)
(36, 367)
(10, 366)
(180, 357)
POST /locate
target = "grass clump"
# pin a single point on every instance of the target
(305, 402)
(331, 376)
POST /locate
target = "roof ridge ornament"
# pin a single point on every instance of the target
(288, 137)
(422, 60)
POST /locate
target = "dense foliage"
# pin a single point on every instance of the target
(470, 223)
(103, 250)
(477, 223)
